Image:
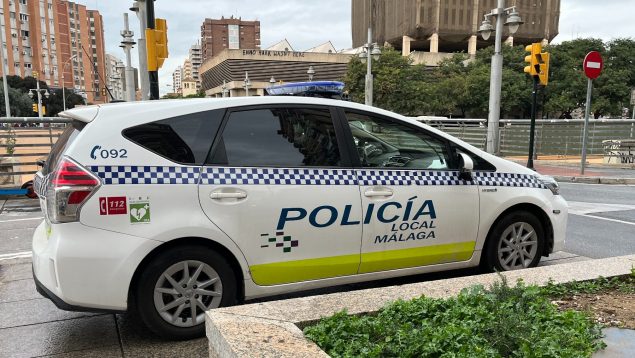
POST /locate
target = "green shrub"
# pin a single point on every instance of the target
(501, 321)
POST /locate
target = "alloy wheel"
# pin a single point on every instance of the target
(518, 246)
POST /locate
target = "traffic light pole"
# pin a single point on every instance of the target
(153, 76)
(532, 126)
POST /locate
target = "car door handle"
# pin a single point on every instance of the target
(218, 195)
(378, 192)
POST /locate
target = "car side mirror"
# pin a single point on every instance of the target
(466, 165)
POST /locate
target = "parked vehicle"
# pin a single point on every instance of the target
(175, 207)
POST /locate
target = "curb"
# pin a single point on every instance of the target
(273, 328)
(594, 180)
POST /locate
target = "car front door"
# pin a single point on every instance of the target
(416, 210)
(278, 184)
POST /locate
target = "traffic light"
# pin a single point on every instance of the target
(533, 64)
(543, 75)
(157, 44)
(537, 63)
(34, 107)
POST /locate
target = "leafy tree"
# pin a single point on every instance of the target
(20, 103)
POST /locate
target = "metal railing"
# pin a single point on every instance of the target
(23, 141)
(554, 137)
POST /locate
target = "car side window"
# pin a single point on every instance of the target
(279, 137)
(184, 139)
(382, 143)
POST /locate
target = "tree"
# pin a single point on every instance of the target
(20, 103)
(54, 104)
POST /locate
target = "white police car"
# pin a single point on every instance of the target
(174, 207)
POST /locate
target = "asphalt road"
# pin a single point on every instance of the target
(601, 219)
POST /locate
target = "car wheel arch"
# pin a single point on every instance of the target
(533, 209)
(191, 241)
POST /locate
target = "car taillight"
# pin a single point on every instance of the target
(69, 188)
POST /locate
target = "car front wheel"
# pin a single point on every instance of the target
(515, 242)
(178, 286)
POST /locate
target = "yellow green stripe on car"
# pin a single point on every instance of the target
(314, 269)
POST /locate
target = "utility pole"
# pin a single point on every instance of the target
(139, 7)
(495, 85)
(127, 44)
(153, 76)
(532, 126)
(5, 70)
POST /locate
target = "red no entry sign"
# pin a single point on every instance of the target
(593, 65)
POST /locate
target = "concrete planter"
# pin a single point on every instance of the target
(621, 152)
(9, 165)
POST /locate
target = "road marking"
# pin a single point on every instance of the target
(609, 219)
(16, 255)
(12, 220)
(583, 208)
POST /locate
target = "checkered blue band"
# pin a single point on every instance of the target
(277, 176)
(409, 177)
(147, 174)
(507, 179)
(298, 176)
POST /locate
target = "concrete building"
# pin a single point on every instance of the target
(177, 75)
(115, 76)
(226, 71)
(196, 59)
(435, 26)
(188, 87)
(42, 37)
(220, 34)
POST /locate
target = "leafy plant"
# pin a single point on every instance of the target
(501, 321)
(10, 141)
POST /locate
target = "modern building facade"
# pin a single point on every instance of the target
(60, 41)
(176, 80)
(439, 26)
(226, 72)
(115, 76)
(196, 59)
(231, 33)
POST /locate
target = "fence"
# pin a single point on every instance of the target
(24, 141)
(555, 138)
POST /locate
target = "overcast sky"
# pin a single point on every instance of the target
(306, 23)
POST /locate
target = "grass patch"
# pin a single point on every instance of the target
(501, 321)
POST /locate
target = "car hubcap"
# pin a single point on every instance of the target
(518, 246)
(185, 291)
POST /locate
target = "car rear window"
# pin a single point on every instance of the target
(64, 141)
(184, 139)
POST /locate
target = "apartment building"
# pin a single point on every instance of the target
(196, 58)
(176, 79)
(60, 41)
(115, 76)
(232, 33)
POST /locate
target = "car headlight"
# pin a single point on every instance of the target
(550, 183)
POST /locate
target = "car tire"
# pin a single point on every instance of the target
(516, 241)
(166, 294)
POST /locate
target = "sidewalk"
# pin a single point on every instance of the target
(568, 170)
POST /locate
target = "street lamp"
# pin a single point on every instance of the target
(247, 82)
(63, 76)
(311, 73)
(504, 17)
(370, 51)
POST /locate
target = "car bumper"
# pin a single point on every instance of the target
(86, 269)
(558, 214)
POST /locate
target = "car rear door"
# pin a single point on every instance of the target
(416, 210)
(279, 185)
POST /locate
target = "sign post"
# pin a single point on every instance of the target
(593, 65)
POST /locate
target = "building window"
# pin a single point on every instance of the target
(234, 36)
(24, 17)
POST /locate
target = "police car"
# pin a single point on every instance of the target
(171, 208)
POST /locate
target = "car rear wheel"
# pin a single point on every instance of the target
(178, 286)
(515, 242)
